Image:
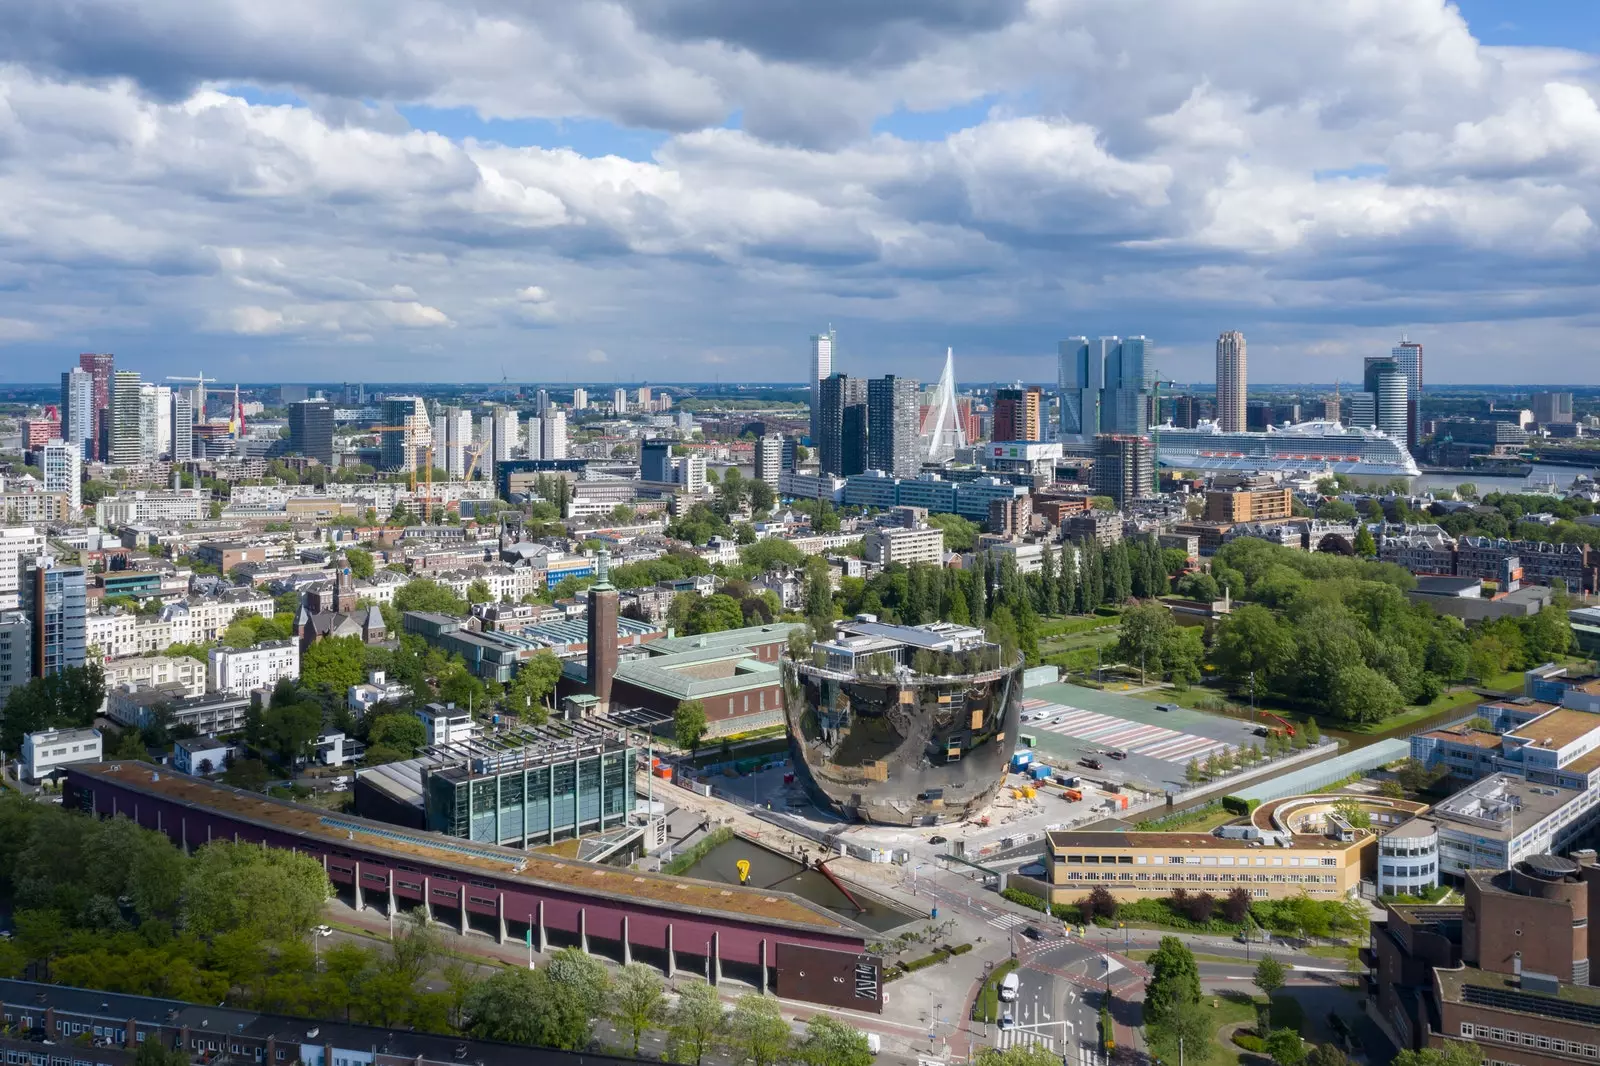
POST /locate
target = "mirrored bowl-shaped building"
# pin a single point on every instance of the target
(903, 725)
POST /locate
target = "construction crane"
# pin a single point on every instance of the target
(423, 452)
(200, 382)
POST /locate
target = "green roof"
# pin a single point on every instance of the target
(726, 639)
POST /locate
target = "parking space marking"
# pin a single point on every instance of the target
(1136, 738)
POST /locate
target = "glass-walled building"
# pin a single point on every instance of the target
(532, 803)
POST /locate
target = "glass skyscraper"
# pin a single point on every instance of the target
(1104, 386)
(55, 599)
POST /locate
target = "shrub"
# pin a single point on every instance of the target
(1099, 903)
(1239, 805)
(1249, 1041)
(959, 949)
(1016, 895)
(1067, 912)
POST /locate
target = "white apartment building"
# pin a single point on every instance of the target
(148, 506)
(145, 670)
(619, 401)
(580, 399)
(377, 689)
(888, 546)
(690, 472)
(241, 670)
(44, 753)
(503, 581)
(118, 634)
(18, 544)
(202, 756)
(63, 472)
(445, 723)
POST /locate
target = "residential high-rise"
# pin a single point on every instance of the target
(1364, 409)
(78, 409)
(399, 447)
(182, 426)
(311, 430)
(580, 399)
(553, 435)
(16, 652)
(1123, 467)
(533, 446)
(644, 397)
(100, 368)
(55, 600)
(1104, 386)
(842, 447)
(1231, 382)
(62, 462)
(655, 460)
(1016, 414)
(457, 436)
(892, 411)
(769, 458)
(155, 421)
(502, 438)
(1549, 408)
(127, 419)
(821, 368)
(1407, 356)
(18, 545)
(619, 401)
(541, 402)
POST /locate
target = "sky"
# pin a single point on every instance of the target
(664, 190)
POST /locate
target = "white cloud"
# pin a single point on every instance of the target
(1162, 167)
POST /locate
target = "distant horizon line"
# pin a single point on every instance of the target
(490, 386)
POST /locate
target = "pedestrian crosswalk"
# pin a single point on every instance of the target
(1009, 1038)
(1151, 741)
(1007, 921)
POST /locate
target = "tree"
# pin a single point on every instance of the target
(1269, 975)
(1361, 694)
(423, 594)
(334, 664)
(574, 997)
(534, 682)
(960, 534)
(1313, 734)
(696, 1024)
(1143, 635)
(689, 724)
(771, 553)
(1352, 811)
(757, 1031)
(831, 1042)
(68, 698)
(1252, 647)
(401, 731)
(248, 774)
(638, 1002)
(1454, 1053)
(1018, 1055)
(1186, 1023)
(1236, 905)
(155, 1052)
(1327, 1055)
(414, 946)
(1191, 772)
(508, 1007)
(1364, 545)
(274, 894)
(479, 592)
(1174, 979)
(714, 613)
(1286, 1047)
(360, 562)
(290, 730)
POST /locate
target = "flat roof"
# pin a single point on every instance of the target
(1558, 728)
(1472, 738)
(1498, 991)
(708, 897)
(746, 637)
(1089, 840)
(1504, 798)
(1584, 763)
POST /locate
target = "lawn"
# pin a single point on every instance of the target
(1349, 954)
(1201, 820)
(1068, 625)
(986, 1007)
(1143, 954)
(1228, 1007)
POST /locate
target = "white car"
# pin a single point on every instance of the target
(1006, 1021)
(323, 930)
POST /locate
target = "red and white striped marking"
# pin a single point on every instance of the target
(1151, 741)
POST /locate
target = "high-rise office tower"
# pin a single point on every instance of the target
(619, 401)
(892, 410)
(655, 460)
(1082, 377)
(580, 399)
(821, 368)
(1407, 356)
(100, 368)
(1549, 408)
(183, 426)
(553, 435)
(399, 447)
(355, 395)
(1104, 386)
(1016, 413)
(841, 451)
(311, 430)
(1231, 382)
(457, 436)
(78, 409)
(1390, 389)
(769, 458)
(541, 402)
(1364, 409)
(1122, 409)
(55, 600)
(62, 462)
(1123, 467)
(127, 419)
(1185, 412)
(155, 421)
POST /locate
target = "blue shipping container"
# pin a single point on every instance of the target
(1041, 773)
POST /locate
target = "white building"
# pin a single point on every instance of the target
(145, 507)
(769, 459)
(333, 748)
(892, 545)
(580, 399)
(690, 472)
(457, 436)
(553, 435)
(18, 545)
(146, 670)
(63, 472)
(445, 723)
(247, 669)
(202, 756)
(45, 752)
(619, 401)
(378, 689)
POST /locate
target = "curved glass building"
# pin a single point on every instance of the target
(903, 725)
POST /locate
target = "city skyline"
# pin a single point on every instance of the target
(974, 176)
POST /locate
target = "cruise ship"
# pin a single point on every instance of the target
(1313, 446)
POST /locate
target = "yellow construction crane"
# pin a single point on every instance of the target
(423, 452)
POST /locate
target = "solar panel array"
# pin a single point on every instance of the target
(1529, 1003)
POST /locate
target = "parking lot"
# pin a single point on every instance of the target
(1073, 724)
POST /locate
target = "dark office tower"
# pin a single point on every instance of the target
(311, 430)
(1185, 412)
(1123, 467)
(842, 421)
(892, 410)
(1016, 414)
(99, 367)
(55, 601)
(126, 436)
(655, 459)
(1257, 415)
(602, 654)
(354, 395)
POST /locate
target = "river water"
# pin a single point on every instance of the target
(770, 870)
(1538, 481)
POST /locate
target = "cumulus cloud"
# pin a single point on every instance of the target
(994, 175)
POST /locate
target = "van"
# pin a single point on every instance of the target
(1166, 706)
(1010, 987)
(874, 1043)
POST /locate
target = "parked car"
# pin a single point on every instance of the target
(1006, 1021)
(1118, 754)
(1166, 706)
(323, 930)
(1093, 764)
(937, 839)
